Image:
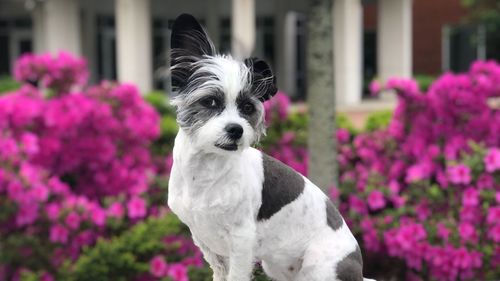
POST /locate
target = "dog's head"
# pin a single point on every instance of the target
(219, 99)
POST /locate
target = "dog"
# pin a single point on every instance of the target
(241, 205)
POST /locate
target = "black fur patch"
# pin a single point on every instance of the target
(351, 267)
(189, 43)
(281, 186)
(263, 80)
(333, 217)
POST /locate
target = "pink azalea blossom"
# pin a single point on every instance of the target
(46, 277)
(459, 174)
(494, 233)
(492, 160)
(158, 267)
(443, 232)
(116, 210)
(136, 208)
(376, 200)
(59, 233)
(98, 216)
(178, 272)
(467, 232)
(470, 197)
(493, 216)
(53, 211)
(342, 135)
(73, 220)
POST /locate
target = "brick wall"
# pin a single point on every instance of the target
(429, 17)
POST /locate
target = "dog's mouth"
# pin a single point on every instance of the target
(227, 146)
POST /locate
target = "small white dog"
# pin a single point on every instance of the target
(241, 205)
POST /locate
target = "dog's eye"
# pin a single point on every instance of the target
(247, 108)
(210, 102)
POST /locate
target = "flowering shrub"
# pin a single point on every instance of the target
(426, 189)
(75, 166)
(83, 174)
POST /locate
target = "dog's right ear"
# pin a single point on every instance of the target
(189, 43)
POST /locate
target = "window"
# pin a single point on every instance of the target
(106, 48)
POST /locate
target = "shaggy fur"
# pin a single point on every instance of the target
(241, 205)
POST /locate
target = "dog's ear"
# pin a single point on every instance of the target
(263, 80)
(189, 43)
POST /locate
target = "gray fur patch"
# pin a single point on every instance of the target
(281, 186)
(256, 119)
(333, 217)
(351, 267)
(194, 115)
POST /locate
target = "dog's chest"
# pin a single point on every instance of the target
(211, 199)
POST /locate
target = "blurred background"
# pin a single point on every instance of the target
(129, 40)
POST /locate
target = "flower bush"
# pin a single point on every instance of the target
(84, 169)
(424, 192)
(76, 167)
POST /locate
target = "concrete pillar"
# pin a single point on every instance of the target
(213, 21)
(347, 46)
(57, 26)
(280, 9)
(394, 42)
(133, 42)
(243, 25)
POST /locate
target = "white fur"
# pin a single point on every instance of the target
(218, 193)
(218, 197)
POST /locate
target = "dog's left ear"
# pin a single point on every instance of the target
(263, 80)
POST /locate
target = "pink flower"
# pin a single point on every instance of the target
(30, 143)
(28, 213)
(73, 220)
(343, 135)
(40, 192)
(493, 216)
(59, 233)
(492, 160)
(136, 208)
(467, 232)
(376, 200)
(46, 277)
(417, 172)
(178, 272)
(459, 174)
(53, 211)
(334, 193)
(470, 197)
(98, 216)
(357, 205)
(494, 233)
(116, 210)
(158, 267)
(443, 232)
(375, 87)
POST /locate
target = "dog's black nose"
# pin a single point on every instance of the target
(234, 131)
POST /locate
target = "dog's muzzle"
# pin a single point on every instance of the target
(233, 134)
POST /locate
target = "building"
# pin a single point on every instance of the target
(128, 40)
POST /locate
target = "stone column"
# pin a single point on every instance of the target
(133, 42)
(394, 41)
(348, 41)
(213, 21)
(243, 25)
(280, 9)
(57, 26)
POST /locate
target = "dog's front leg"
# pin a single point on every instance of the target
(218, 264)
(241, 253)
